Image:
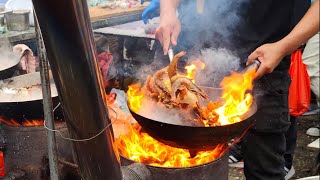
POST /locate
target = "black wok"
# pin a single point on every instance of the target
(195, 137)
(21, 98)
(8, 65)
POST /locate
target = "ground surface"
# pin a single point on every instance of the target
(304, 156)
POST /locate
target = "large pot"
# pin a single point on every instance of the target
(21, 97)
(8, 65)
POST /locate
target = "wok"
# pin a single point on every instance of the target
(195, 137)
(8, 65)
(21, 97)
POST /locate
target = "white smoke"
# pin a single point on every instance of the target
(7, 57)
(219, 63)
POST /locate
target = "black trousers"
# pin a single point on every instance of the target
(264, 146)
(263, 155)
(291, 142)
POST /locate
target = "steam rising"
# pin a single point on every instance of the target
(7, 57)
(219, 63)
(216, 27)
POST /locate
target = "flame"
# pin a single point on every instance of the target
(12, 122)
(236, 99)
(32, 123)
(193, 68)
(138, 146)
(135, 96)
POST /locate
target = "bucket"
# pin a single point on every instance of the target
(18, 20)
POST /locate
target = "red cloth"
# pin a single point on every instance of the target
(299, 91)
(105, 60)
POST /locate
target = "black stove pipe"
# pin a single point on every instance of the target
(68, 39)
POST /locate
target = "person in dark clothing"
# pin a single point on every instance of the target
(251, 29)
(299, 9)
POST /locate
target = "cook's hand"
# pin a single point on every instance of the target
(270, 55)
(151, 11)
(168, 31)
(27, 60)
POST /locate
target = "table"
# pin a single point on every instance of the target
(131, 29)
(17, 36)
(100, 17)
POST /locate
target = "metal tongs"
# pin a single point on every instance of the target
(254, 65)
(170, 53)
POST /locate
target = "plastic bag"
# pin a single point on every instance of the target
(299, 91)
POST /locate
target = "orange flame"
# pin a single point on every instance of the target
(193, 68)
(135, 96)
(236, 99)
(32, 123)
(12, 122)
(140, 147)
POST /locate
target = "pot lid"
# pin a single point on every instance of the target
(24, 88)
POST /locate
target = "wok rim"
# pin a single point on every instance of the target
(11, 65)
(252, 110)
(24, 77)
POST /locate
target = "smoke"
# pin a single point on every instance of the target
(216, 27)
(219, 63)
(7, 57)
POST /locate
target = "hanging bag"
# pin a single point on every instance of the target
(299, 91)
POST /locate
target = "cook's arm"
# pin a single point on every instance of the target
(304, 30)
(270, 55)
(169, 27)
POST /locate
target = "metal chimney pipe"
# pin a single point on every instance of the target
(68, 39)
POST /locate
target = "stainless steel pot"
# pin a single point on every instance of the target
(18, 20)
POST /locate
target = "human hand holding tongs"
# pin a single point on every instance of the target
(254, 65)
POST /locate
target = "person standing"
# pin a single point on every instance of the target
(264, 35)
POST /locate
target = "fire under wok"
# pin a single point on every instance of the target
(196, 137)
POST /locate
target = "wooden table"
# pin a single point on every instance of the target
(98, 13)
(100, 17)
